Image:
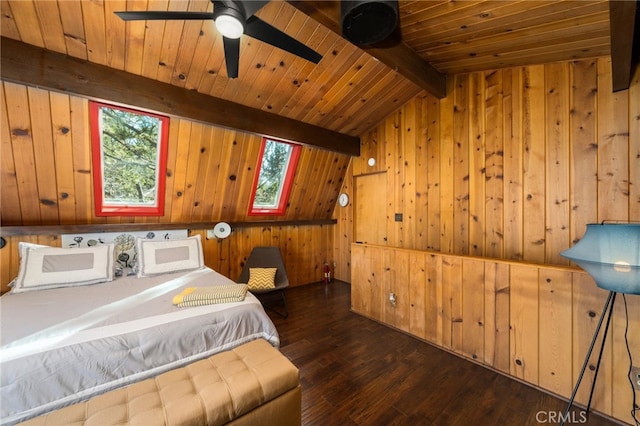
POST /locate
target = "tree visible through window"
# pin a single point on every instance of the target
(129, 160)
(277, 164)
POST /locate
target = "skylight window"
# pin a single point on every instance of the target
(271, 187)
(129, 160)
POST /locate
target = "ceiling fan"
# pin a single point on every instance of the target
(233, 19)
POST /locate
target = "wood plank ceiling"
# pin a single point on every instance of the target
(350, 90)
(457, 37)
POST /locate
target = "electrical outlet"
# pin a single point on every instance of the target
(635, 377)
(392, 299)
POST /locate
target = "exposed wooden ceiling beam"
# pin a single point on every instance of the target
(33, 66)
(396, 56)
(624, 18)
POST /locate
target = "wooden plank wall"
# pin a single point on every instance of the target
(46, 167)
(46, 180)
(508, 168)
(531, 322)
(512, 164)
(304, 249)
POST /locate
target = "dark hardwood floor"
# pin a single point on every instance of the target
(355, 371)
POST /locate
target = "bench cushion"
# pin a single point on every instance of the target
(212, 391)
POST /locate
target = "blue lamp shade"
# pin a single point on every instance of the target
(610, 253)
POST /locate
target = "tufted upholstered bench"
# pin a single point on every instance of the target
(251, 384)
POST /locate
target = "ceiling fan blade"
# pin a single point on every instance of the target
(262, 31)
(231, 55)
(162, 15)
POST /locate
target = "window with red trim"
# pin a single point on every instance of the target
(272, 184)
(129, 160)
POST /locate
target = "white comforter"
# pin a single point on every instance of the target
(60, 346)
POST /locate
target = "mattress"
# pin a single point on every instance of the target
(61, 346)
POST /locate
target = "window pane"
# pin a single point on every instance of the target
(129, 156)
(275, 177)
(274, 167)
(129, 160)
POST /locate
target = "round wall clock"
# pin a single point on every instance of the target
(343, 199)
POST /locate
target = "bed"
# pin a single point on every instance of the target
(65, 344)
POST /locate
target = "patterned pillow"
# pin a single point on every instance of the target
(196, 296)
(262, 278)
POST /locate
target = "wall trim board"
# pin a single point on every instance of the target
(478, 258)
(9, 231)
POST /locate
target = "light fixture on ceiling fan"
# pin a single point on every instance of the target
(229, 25)
(234, 19)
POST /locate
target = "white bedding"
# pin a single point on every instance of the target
(60, 346)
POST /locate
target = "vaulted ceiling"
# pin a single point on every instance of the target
(347, 92)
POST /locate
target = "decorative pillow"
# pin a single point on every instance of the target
(197, 296)
(24, 246)
(262, 278)
(52, 267)
(164, 256)
(22, 250)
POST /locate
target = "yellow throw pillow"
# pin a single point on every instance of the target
(262, 278)
(196, 296)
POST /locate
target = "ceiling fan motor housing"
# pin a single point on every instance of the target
(369, 21)
(229, 9)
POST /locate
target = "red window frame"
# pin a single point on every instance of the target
(287, 183)
(105, 209)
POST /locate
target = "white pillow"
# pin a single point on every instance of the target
(164, 256)
(52, 267)
(24, 246)
(22, 249)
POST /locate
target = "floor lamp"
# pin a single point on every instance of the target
(610, 253)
